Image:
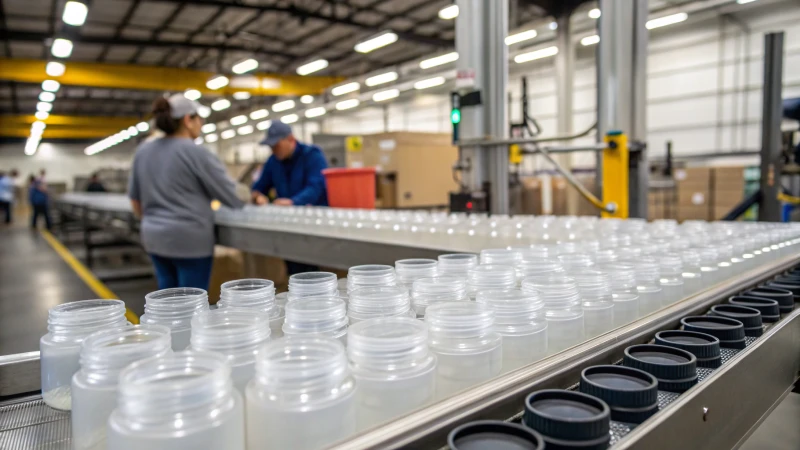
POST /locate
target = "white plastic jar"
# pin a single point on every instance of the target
(671, 278)
(457, 264)
(94, 388)
(468, 349)
(302, 397)
(68, 324)
(370, 275)
(709, 266)
(380, 301)
(234, 333)
(410, 270)
(575, 262)
(394, 369)
(182, 401)
(692, 274)
(312, 284)
(648, 285)
(427, 291)
(532, 267)
(519, 318)
(175, 308)
(490, 277)
(501, 256)
(563, 311)
(317, 316)
(596, 300)
(254, 294)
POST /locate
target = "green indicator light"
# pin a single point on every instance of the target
(455, 116)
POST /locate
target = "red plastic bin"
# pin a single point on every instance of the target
(351, 188)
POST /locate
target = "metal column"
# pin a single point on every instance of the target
(771, 161)
(622, 86)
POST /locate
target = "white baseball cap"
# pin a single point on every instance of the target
(182, 106)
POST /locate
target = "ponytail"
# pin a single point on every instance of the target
(162, 112)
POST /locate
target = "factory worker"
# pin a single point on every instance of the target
(172, 183)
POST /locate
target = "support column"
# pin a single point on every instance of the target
(565, 82)
(771, 116)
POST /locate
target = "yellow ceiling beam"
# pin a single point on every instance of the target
(117, 123)
(124, 76)
(59, 132)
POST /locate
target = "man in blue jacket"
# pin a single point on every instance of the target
(295, 171)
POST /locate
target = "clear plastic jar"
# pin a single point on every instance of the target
(381, 301)
(534, 267)
(302, 397)
(574, 262)
(317, 316)
(370, 275)
(468, 349)
(427, 291)
(563, 311)
(94, 388)
(623, 292)
(254, 294)
(409, 270)
(709, 266)
(68, 324)
(182, 401)
(501, 256)
(394, 368)
(519, 318)
(312, 284)
(175, 308)
(692, 274)
(235, 333)
(671, 272)
(596, 300)
(490, 277)
(648, 284)
(457, 264)
(605, 256)
(281, 300)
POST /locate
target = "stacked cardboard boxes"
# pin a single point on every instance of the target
(661, 204)
(693, 186)
(727, 191)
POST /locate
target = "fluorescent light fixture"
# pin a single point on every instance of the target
(38, 126)
(238, 120)
(283, 106)
(132, 131)
(259, 114)
(75, 13)
(590, 40)
(429, 83)
(31, 145)
(345, 88)
(198, 141)
(227, 134)
(536, 54)
(217, 82)
(438, 60)
(307, 99)
(245, 66)
(744, 2)
(204, 111)
(221, 104)
(192, 94)
(316, 112)
(61, 48)
(142, 126)
(245, 130)
(125, 135)
(241, 95)
(553, 26)
(386, 95)
(448, 12)
(42, 115)
(347, 104)
(263, 125)
(387, 77)
(313, 66)
(211, 138)
(594, 13)
(381, 40)
(44, 106)
(666, 20)
(55, 69)
(521, 37)
(50, 85)
(208, 128)
(47, 96)
(291, 118)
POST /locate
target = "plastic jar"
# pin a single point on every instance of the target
(236, 334)
(709, 266)
(302, 397)
(726, 254)
(693, 281)
(671, 278)
(605, 256)
(648, 285)
(380, 301)
(596, 300)
(255, 294)
(519, 318)
(574, 262)
(317, 316)
(469, 351)
(532, 267)
(181, 401)
(68, 324)
(490, 277)
(175, 308)
(312, 284)
(393, 366)
(502, 256)
(370, 275)
(94, 388)
(427, 291)
(457, 264)
(563, 311)
(409, 270)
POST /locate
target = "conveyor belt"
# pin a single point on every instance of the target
(28, 423)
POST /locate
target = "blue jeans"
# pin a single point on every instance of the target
(182, 272)
(41, 210)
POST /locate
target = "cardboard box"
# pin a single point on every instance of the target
(727, 198)
(694, 197)
(559, 194)
(729, 178)
(693, 176)
(693, 212)
(531, 196)
(720, 212)
(228, 266)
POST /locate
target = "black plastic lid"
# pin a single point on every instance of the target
(701, 345)
(754, 331)
(675, 369)
(770, 312)
(632, 394)
(723, 328)
(750, 317)
(494, 435)
(789, 278)
(793, 288)
(782, 296)
(564, 417)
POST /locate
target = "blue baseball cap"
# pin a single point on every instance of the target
(276, 131)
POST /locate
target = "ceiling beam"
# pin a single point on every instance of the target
(59, 133)
(126, 19)
(156, 34)
(57, 120)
